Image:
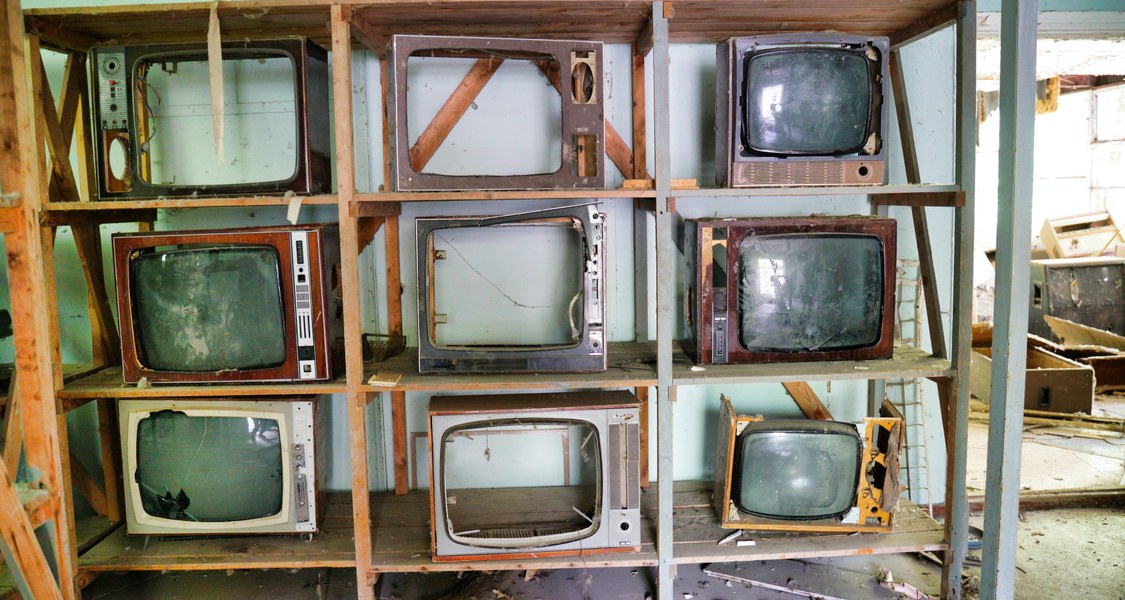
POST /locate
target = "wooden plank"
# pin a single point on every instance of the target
(20, 546)
(366, 228)
(388, 158)
(642, 395)
(110, 207)
(630, 365)
(107, 383)
(944, 199)
(59, 218)
(469, 195)
(399, 438)
(939, 19)
(59, 146)
(106, 343)
(110, 438)
(394, 277)
(86, 486)
(375, 40)
(13, 428)
(640, 125)
(74, 79)
(452, 111)
(350, 291)
(770, 193)
(807, 400)
(921, 228)
(907, 363)
(58, 37)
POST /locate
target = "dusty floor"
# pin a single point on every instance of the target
(1063, 553)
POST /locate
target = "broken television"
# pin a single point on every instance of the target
(233, 305)
(514, 293)
(548, 474)
(218, 466)
(807, 474)
(785, 289)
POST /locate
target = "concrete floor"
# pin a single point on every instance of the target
(1063, 553)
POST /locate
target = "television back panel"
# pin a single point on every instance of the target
(716, 285)
(126, 107)
(613, 418)
(584, 352)
(574, 68)
(738, 166)
(1090, 291)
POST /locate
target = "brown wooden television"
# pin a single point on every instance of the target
(789, 289)
(235, 305)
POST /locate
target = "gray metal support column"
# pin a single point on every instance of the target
(665, 297)
(1013, 252)
(957, 429)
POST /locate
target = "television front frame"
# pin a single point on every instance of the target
(321, 255)
(114, 124)
(587, 355)
(300, 425)
(874, 506)
(619, 528)
(713, 331)
(579, 119)
(735, 168)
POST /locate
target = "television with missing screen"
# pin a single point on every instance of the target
(538, 285)
(537, 118)
(783, 289)
(574, 457)
(801, 109)
(207, 466)
(233, 305)
(152, 103)
(807, 475)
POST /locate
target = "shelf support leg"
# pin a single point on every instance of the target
(349, 257)
(1018, 26)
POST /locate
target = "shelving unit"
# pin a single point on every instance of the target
(388, 532)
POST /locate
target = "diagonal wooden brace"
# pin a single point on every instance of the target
(452, 111)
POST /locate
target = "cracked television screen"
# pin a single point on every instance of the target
(509, 286)
(208, 468)
(209, 309)
(555, 463)
(809, 292)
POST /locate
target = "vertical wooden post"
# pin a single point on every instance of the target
(30, 276)
(1018, 26)
(349, 257)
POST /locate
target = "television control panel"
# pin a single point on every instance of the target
(303, 306)
(113, 97)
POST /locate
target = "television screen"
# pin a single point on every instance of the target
(209, 308)
(813, 101)
(807, 292)
(554, 462)
(797, 469)
(259, 119)
(208, 468)
(527, 281)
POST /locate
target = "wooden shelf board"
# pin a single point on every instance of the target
(463, 195)
(827, 190)
(401, 536)
(630, 364)
(908, 363)
(697, 533)
(331, 547)
(107, 384)
(714, 20)
(215, 202)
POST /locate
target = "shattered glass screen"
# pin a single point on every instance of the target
(806, 102)
(792, 475)
(209, 309)
(259, 121)
(810, 292)
(551, 464)
(509, 285)
(208, 469)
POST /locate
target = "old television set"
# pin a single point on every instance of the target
(232, 305)
(217, 466)
(572, 460)
(538, 303)
(152, 115)
(784, 289)
(807, 475)
(1088, 290)
(801, 109)
(546, 95)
